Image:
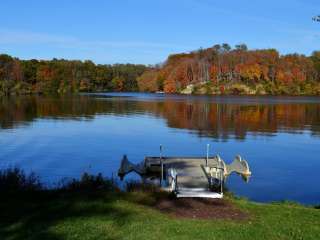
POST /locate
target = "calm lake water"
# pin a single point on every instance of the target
(63, 137)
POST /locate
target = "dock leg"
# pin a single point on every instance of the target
(207, 159)
(161, 163)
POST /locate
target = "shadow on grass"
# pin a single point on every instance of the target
(34, 213)
(31, 216)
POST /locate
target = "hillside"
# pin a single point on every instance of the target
(223, 70)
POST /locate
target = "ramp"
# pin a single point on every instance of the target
(197, 193)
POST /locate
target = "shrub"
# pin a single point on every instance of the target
(90, 182)
(260, 90)
(138, 186)
(240, 89)
(15, 179)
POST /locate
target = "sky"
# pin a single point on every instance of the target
(147, 31)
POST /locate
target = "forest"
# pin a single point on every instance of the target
(222, 69)
(64, 76)
(219, 70)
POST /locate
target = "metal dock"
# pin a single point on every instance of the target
(188, 176)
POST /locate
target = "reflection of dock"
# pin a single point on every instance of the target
(188, 176)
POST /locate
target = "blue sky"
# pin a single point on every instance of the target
(147, 31)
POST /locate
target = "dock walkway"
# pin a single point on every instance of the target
(193, 176)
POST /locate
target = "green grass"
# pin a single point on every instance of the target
(102, 214)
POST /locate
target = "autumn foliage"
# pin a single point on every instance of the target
(216, 70)
(64, 76)
(222, 67)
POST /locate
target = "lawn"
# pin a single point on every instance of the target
(103, 214)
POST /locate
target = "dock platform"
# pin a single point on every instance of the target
(188, 176)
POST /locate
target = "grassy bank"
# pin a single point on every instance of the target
(94, 211)
(109, 215)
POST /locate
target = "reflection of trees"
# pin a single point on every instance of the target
(219, 121)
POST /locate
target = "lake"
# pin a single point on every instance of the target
(62, 137)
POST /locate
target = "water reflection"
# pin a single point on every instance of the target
(61, 137)
(205, 117)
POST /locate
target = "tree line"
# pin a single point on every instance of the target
(222, 69)
(65, 76)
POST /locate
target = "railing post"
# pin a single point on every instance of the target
(207, 159)
(221, 179)
(161, 164)
(221, 176)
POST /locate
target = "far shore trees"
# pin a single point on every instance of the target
(223, 70)
(65, 76)
(220, 69)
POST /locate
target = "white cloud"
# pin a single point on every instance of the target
(27, 45)
(26, 38)
(22, 37)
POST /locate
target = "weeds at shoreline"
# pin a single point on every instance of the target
(15, 179)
